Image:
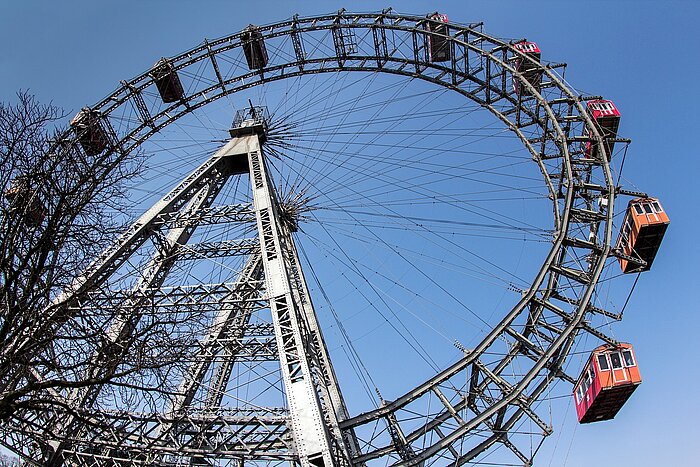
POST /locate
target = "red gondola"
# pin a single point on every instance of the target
(167, 81)
(607, 119)
(91, 135)
(22, 199)
(607, 381)
(642, 232)
(532, 72)
(254, 47)
(438, 44)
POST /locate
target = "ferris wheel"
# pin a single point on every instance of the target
(370, 238)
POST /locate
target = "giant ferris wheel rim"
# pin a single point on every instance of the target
(498, 54)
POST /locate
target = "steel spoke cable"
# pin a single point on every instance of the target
(420, 228)
(324, 168)
(326, 116)
(317, 96)
(528, 230)
(349, 265)
(419, 270)
(370, 119)
(330, 102)
(426, 153)
(413, 115)
(410, 189)
(353, 355)
(384, 174)
(394, 228)
(426, 231)
(300, 149)
(430, 182)
(433, 260)
(416, 165)
(393, 182)
(417, 201)
(346, 113)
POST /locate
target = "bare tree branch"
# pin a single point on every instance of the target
(60, 193)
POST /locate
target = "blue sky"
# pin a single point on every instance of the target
(641, 54)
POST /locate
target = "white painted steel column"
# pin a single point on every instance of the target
(308, 427)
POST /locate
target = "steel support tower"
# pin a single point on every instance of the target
(314, 400)
(305, 432)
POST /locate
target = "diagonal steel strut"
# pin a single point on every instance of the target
(314, 399)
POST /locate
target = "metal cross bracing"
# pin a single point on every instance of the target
(197, 192)
(306, 431)
(479, 400)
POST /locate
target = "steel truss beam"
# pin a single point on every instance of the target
(126, 319)
(194, 197)
(211, 295)
(210, 216)
(314, 418)
(204, 434)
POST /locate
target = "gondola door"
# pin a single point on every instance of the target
(619, 371)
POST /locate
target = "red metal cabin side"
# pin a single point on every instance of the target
(26, 201)
(438, 46)
(607, 381)
(254, 47)
(607, 119)
(641, 233)
(532, 72)
(91, 135)
(167, 81)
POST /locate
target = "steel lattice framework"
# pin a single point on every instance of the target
(315, 428)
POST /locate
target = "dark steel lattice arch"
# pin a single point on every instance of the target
(537, 334)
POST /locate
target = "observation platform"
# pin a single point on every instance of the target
(251, 121)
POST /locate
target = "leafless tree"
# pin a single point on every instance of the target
(7, 461)
(59, 209)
